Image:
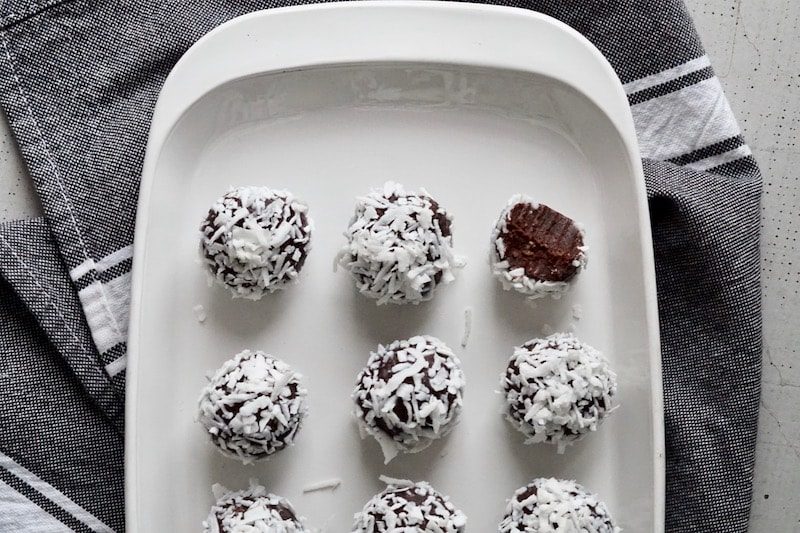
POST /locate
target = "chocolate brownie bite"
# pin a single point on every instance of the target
(252, 510)
(536, 250)
(255, 240)
(557, 390)
(549, 504)
(409, 394)
(253, 406)
(399, 246)
(408, 506)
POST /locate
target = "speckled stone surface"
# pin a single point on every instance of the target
(753, 45)
(17, 197)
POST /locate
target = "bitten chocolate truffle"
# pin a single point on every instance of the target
(253, 406)
(253, 510)
(555, 505)
(399, 246)
(536, 250)
(408, 506)
(557, 389)
(255, 240)
(409, 394)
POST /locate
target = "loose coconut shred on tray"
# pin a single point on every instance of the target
(200, 313)
(399, 246)
(327, 484)
(409, 394)
(253, 406)
(405, 506)
(467, 327)
(558, 389)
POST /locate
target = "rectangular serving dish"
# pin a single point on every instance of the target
(475, 104)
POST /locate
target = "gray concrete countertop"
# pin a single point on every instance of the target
(753, 45)
(17, 197)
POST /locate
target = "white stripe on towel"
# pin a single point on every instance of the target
(103, 264)
(54, 495)
(21, 515)
(721, 159)
(117, 365)
(683, 121)
(667, 75)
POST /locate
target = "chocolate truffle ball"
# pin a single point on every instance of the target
(408, 506)
(253, 406)
(255, 240)
(555, 505)
(399, 246)
(557, 389)
(409, 394)
(253, 510)
(536, 250)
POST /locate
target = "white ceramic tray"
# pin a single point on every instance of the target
(474, 103)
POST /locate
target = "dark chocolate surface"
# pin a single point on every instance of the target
(542, 241)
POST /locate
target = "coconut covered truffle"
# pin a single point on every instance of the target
(255, 240)
(536, 250)
(409, 394)
(253, 510)
(555, 506)
(409, 507)
(253, 406)
(399, 246)
(557, 389)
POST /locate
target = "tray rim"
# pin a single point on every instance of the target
(194, 76)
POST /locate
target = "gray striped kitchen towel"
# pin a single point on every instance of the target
(78, 82)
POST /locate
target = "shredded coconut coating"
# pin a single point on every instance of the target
(253, 406)
(253, 510)
(549, 505)
(516, 278)
(409, 394)
(406, 507)
(255, 240)
(557, 389)
(399, 246)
